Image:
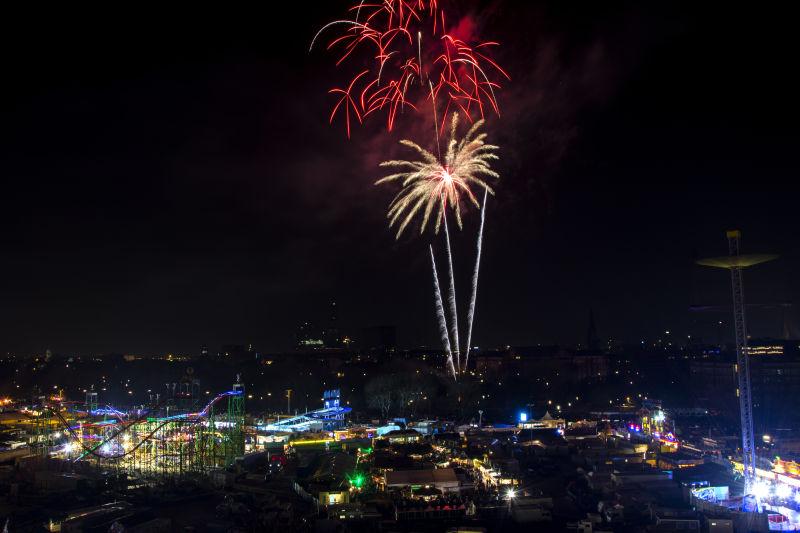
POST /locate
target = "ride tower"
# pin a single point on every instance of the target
(735, 262)
(91, 401)
(331, 401)
(234, 438)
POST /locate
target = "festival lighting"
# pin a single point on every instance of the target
(357, 481)
(761, 490)
(783, 491)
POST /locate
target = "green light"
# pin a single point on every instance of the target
(365, 451)
(357, 481)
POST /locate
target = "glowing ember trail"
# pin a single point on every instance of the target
(451, 297)
(437, 293)
(408, 42)
(471, 312)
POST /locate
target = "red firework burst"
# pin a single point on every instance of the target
(411, 48)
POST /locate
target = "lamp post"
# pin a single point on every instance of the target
(480, 417)
(530, 418)
(510, 495)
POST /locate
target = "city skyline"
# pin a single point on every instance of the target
(408, 265)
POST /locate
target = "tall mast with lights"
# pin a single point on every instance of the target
(735, 262)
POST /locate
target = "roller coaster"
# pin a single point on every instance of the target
(144, 443)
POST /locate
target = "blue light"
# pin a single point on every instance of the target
(523, 417)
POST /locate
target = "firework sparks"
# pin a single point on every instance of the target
(471, 312)
(440, 316)
(461, 73)
(451, 298)
(430, 185)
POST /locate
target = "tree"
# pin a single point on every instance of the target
(378, 392)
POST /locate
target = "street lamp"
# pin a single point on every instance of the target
(510, 495)
(480, 417)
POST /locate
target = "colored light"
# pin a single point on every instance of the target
(357, 481)
(761, 490)
(523, 417)
(783, 491)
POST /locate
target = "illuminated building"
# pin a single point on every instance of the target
(546, 422)
(443, 479)
(765, 348)
(494, 474)
(308, 337)
(653, 421)
(402, 436)
(329, 479)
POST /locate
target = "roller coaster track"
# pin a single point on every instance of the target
(191, 418)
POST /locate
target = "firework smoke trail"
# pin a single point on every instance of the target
(471, 312)
(435, 123)
(451, 298)
(441, 316)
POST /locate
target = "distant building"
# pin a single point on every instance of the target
(589, 365)
(233, 351)
(308, 337)
(774, 377)
(403, 436)
(379, 338)
(534, 361)
(766, 346)
(443, 479)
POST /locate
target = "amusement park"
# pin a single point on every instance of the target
(175, 435)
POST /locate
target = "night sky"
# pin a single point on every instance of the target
(170, 178)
